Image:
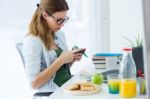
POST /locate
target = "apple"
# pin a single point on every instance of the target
(97, 79)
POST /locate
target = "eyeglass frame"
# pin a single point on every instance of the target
(59, 20)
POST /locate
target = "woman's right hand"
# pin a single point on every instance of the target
(69, 56)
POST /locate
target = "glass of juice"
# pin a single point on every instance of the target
(142, 85)
(128, 88)
(113, 83)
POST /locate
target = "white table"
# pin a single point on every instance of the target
(103, 94)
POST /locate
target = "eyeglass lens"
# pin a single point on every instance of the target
(61, 21)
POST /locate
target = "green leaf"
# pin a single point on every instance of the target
(135, 43)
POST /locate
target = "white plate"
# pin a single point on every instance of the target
(78, 92)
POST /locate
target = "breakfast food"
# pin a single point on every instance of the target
(74, 87)
(82, 87)
(87, 87)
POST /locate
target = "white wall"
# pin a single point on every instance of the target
(14, 18)
(125, 20)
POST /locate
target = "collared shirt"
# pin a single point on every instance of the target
(37, 58)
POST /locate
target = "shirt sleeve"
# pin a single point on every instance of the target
(32, 56)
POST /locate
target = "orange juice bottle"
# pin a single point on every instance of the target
(127, 75)
(128, 88)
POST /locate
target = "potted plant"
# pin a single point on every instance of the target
(137, 52)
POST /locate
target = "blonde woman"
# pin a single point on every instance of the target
(45, 52)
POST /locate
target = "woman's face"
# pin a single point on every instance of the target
(56, 20)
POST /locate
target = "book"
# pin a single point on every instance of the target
(99, 61)
(107, 54)
(100, 66)
(103, 56)
(98, 57)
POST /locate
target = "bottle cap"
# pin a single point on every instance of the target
(127, 49)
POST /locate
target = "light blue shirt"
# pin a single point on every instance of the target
(37, 58)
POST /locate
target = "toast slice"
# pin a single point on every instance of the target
(74, 87)
(86, 86)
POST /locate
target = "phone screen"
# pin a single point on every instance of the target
(82, 51)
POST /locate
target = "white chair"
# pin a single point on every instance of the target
(39, 94)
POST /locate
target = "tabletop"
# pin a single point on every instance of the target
(103, 94)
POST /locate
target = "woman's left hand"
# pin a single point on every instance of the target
(78, 56)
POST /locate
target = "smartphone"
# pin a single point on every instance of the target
(81, 51)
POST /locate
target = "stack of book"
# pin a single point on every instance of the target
(99, 59)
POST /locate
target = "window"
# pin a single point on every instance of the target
(87, 27)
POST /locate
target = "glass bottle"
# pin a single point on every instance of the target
(127, 75)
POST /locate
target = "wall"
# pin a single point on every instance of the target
(125, 20)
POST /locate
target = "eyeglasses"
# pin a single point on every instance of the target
(60, 20)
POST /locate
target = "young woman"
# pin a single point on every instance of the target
(45, 52)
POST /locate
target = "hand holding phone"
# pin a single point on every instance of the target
(81, 51)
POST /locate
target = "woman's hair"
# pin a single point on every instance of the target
(38, 26)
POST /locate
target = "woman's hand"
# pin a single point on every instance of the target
(70, 56)
(78, 56)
